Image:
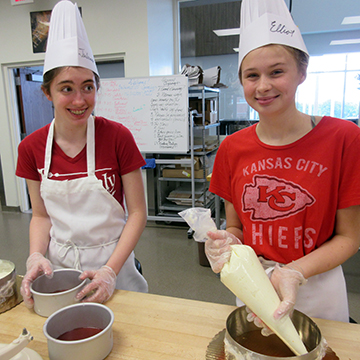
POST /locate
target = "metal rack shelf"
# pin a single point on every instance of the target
(167, 210)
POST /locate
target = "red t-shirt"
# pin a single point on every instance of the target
(116, 154)
(287, 196)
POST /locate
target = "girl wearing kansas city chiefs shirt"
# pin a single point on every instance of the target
(290, 185)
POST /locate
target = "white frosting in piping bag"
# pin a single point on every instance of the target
(244, 275)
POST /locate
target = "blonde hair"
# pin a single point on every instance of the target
(301, 58)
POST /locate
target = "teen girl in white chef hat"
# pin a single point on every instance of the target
(79, 170)
(291, 183)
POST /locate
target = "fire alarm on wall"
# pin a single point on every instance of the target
(20, 2)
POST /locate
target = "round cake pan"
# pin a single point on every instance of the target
(53, 294)
(78, 316)
(237, 325)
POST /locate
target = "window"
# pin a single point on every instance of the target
(332, 86)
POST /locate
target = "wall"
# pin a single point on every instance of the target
(161, 37)
(115, 28)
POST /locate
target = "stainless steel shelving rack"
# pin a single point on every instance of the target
(166, 210)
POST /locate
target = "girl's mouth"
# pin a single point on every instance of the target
(266, 100)
(77, 112)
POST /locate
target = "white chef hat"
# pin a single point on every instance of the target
(67, 43)
(264, 22)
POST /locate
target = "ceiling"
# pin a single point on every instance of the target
(318, 20)
(198, 22)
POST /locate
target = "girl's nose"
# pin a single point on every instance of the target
(78, 98)
(263, 84)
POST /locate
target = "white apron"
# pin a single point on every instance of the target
(324, 296)
(86, 220)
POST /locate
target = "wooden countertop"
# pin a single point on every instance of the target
(157, 327)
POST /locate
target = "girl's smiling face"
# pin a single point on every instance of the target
(270, 77)
(73, 93)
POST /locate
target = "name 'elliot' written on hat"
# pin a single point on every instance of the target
(280, 28)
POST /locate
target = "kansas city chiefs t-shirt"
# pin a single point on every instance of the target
(287, 196)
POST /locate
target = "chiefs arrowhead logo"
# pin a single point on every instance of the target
(270, 198)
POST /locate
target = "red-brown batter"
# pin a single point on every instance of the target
(271, 345)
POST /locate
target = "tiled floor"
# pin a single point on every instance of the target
(169, 261)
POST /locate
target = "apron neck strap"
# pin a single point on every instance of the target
(90, 147)
(48, 149)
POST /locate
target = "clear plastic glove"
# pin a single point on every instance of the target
(200, 221)
(265, 331)
(286, 281)
(217, 248)
(36, 265)
(102, 285)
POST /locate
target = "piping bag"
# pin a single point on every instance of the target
(244, 275)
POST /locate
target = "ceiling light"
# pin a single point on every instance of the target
(345, 42)
(227, 32)
(236, 49)
(351, 20)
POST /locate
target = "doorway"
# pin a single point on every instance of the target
(35, 110)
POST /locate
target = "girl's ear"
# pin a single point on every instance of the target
(46, 93)
(302, 78)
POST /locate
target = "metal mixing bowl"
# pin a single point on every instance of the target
(236, 325)
(83, 315)
(53, 294)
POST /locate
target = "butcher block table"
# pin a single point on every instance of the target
(157, 327)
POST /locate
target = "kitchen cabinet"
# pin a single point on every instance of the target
(182, 178)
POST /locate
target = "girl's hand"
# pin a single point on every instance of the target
(102, 285)
(286, 281)
(36, 265)
(217, 248)
(265, 331)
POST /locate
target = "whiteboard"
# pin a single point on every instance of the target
(154, 109)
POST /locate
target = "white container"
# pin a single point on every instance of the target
(7, 281)
(76, 316)
(53, 294)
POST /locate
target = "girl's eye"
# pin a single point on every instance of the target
(251, 76)
(89, 88)
(277, 72)
(66, 89)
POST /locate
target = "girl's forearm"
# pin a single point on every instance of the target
(328, 256)
(39, 234)
(128, 239)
